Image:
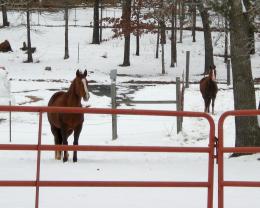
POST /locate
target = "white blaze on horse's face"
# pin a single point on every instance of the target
(213, 75)
(86, 97)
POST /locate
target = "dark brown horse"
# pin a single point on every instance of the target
(63, 124)
(209, 89)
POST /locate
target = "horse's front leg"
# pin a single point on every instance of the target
(76, 141)
(65, 142)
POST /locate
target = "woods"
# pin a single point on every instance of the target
(168, 19)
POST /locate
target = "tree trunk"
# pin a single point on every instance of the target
(226, 42)
(207, 38)
(193, 22)
(163, 59)
(247, 131)
(157, 43)
(163, 36)
(29, 51)
(126, 16)
(175, 34)
(173, 30)
(4, 13)
(138, 32)
(163, 29)
(251, 33)
(182, 17)
(66, 17)
(101, 21)
(96, 38)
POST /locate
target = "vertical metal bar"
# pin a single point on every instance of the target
(113, 105)
(187, 68)
(220, 164)
(178, 103)
(10, 123)
(228, 72)
(211, 163)
(38, 169)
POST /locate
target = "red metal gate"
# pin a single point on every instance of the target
(222, 150)
(39, 147)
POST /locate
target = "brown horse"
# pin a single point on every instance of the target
(209, 89)
(63, 124)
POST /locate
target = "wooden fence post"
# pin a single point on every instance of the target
(113, 74)
(228, 72)
(187, 68)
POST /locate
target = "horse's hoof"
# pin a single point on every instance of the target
(75, 160)
(65, 159)
(57, 155)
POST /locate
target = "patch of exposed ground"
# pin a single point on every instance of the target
(33, 99)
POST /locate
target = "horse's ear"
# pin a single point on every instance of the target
(78, 73)
(85, 73)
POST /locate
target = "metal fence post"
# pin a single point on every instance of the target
(178, 103)
(113, 74)
(10, 123)
(187, 68)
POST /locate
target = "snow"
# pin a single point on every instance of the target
(30, 80)
(4, 87)
(243, 7)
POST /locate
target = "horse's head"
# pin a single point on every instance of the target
(81, 85)
(212, 72)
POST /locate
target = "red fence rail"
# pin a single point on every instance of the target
(222, 150)
(39, 147)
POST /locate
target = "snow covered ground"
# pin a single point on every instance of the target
(31, 85)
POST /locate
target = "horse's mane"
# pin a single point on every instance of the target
(71, 87)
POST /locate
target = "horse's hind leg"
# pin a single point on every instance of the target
(213, 105)
(57, 140)
(76, 140)
(207, 104)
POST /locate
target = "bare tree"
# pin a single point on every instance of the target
(250, 27)
(4, 13)
(136, 13)
(207, 37)
(173, 33)
(247, 130)
(66, 19)
(194, 20)
(181, 17)
(96, 37)
(126, 19)
(29, 51)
